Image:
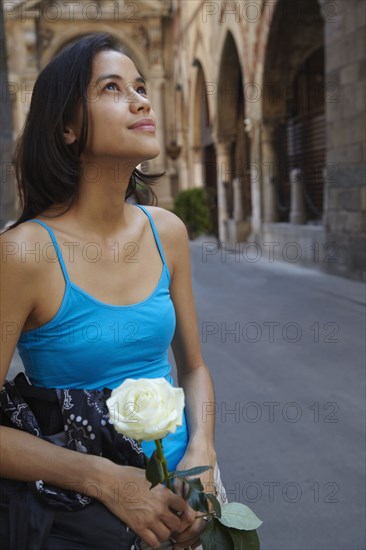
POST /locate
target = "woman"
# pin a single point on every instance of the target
(110, 302)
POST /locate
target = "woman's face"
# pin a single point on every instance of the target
(117, 100)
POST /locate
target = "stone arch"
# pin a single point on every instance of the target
(201, 109)
(235, 33)
(232, 144)
(62, 39)
(178, 142)
(293, 133)
(263, 29)
(229, 82)
(203, 149)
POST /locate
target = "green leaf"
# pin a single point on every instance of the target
(207, 536)
(239, 516)
(215, 504)
(154, 470)
(244, 540)
(216, 537)
(192, 472)
(195, 483)
(197, 500)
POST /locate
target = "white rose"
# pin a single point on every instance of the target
(146, 409)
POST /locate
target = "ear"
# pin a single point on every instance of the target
(69, 136)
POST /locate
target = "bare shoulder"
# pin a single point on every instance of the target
(169, 225)
(23, 231)
(174, 237)
(23, 246)
(22, 276)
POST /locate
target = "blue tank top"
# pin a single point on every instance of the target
(89, 344)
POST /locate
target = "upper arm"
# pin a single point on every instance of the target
(16, 295)
(186, 341)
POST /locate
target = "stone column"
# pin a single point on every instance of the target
(158, 95)
(183, 172)
(269, 172)
(297, 213)
(253, 132)
(157, 81)
(223, 165)
(238, 199)
(197, 166)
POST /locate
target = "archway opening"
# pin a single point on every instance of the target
(204, 149)
(294, 112)
(305, 123)
(235, 174)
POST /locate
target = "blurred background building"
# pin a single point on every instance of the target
(262, 103)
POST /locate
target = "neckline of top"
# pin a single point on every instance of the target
(116, 306)
(69, 283)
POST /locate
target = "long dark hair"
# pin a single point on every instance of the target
(47, 169)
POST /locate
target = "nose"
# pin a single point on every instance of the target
(138, 102)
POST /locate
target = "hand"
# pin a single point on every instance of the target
(151, 514)
(194, 456)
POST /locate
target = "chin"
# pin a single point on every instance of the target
(154, 153)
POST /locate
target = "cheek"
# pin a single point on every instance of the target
(105, 126)
(106, 117)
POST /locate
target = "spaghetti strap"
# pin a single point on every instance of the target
(57, 248)
(156, 234)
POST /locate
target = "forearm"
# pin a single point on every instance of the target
(200, 406)
(26, 457)
(124, 490)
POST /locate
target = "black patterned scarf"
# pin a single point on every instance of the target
(75, 419)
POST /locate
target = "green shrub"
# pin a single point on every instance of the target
(191, 206)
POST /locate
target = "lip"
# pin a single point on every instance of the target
(144, 124)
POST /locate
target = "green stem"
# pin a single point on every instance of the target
(163, 462)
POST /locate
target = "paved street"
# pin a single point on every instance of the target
(290, 395)
(285, 348)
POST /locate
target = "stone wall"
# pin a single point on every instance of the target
(345, 215)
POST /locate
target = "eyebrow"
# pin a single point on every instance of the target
(118, 77)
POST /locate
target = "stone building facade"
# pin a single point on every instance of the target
(262, 102)
(274, 95)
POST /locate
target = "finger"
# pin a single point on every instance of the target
(185, 490)
(172, 521)
(183, 528)
(177, 503)
(186, 544)
(155, 534)
(177, 488)
(180, 488)
(189, 515)
(162, 532)
(186, 538)
(191, 534)
(150, 539)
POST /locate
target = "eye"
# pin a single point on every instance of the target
(111, 85)
(143, 88)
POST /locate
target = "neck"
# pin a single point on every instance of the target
(100, 206)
